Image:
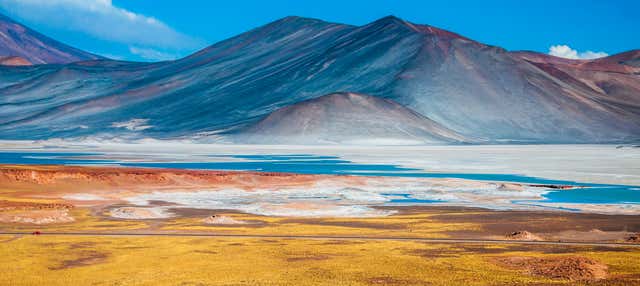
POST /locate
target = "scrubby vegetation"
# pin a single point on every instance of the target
(85, 260)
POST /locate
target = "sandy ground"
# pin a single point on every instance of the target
(570, 268)
(271, 194)
(43, 199)
(56, 198)
(37, 217)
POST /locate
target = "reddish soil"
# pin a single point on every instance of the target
(52, 175)
(574, 268)
(12, 205)
(54, 183)
(546, 224)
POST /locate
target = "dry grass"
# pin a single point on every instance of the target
(57, 260)
(410, 225)
(418, 225)
(146, 260)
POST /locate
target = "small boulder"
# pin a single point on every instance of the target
(633, 238)
(522, 235)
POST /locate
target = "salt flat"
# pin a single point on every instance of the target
(605, 164)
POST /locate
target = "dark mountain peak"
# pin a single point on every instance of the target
(292, 24)
(297, 30)
(391, 21)
(297, 22)
(419, 28)
(294, 18)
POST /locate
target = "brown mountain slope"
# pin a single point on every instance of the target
(348, 118)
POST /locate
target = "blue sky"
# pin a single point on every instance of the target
(162, 29)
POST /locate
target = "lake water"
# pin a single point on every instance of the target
(312, 164)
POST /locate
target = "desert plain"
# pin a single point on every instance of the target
(63, 224)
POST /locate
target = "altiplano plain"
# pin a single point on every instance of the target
(236, 143)
(99, 218)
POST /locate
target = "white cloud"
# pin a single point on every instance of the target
(152, 54)
(103, 20)
(567, 52)
(592, 55)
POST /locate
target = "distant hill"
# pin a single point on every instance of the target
(17, 40)
(348, 118)
(472, 89)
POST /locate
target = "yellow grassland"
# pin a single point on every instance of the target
(87, 260)
(411, 225)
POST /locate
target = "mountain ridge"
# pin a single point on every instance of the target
(17, 40)
(477, 90)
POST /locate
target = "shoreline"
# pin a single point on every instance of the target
(135, 186)
(57, 199)
(597, 164)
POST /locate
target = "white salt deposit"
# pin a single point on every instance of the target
(140, 213)
(83, 197)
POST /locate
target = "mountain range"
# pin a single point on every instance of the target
(307, 81)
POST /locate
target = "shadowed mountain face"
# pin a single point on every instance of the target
(475, 90)
(332, 118)
(19, 41)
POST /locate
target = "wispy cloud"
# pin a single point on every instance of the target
(564, 51)
(103, 20)
(153, 54)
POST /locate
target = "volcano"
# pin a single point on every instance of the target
(236, 87)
